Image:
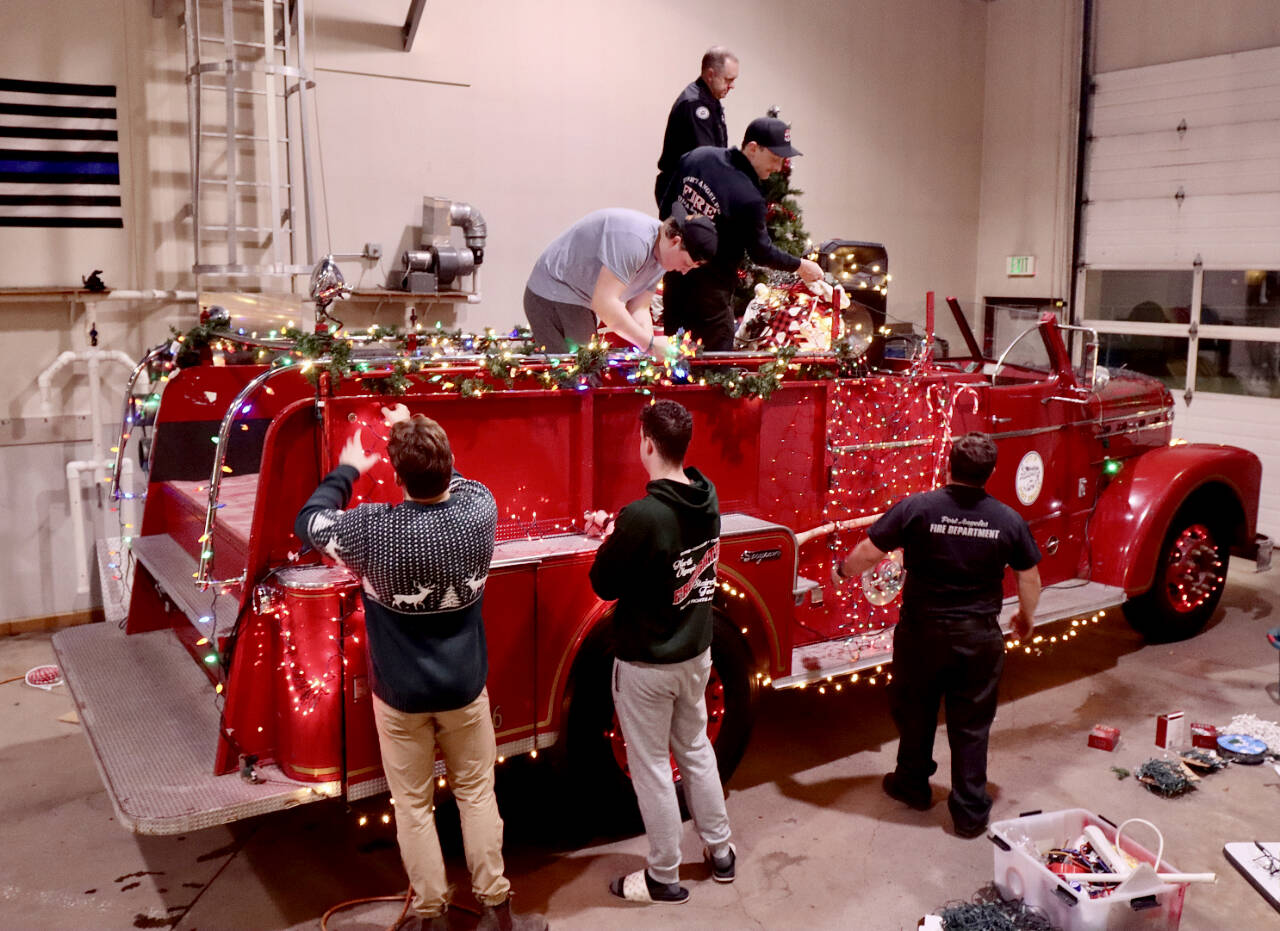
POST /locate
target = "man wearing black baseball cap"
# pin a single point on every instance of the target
(606, 267)
(724, 185)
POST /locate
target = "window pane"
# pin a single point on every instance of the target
(1241, 298)
(1141, 296)
(1165, 357)
(1238, 366)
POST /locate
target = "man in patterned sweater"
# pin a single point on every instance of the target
(423, 564)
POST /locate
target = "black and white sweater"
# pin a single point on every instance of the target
(423, 569)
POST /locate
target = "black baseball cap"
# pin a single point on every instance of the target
(697, 233)
(773, 134)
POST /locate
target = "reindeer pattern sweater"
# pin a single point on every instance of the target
(422, 568)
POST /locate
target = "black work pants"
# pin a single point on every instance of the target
(700, 303)
(959, 664)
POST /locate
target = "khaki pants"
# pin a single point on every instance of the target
(408, 742)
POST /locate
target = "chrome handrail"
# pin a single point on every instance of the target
(202, 580)
(126, 419)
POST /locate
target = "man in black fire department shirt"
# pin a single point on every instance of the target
(724, 184)
(956, 542)
(697, 118)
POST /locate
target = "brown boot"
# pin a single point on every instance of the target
(501, 918)
(441, 922)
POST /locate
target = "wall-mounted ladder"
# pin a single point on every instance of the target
(247, 127)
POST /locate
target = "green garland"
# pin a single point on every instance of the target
(503, 362)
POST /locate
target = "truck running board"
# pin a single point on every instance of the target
(151, 719)
(869, 654)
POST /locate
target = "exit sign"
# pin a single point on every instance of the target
(1021, 266)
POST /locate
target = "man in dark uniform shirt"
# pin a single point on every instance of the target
(956, 542)
(724, 184)
(697, 118)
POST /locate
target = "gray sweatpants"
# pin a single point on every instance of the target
(663, 710)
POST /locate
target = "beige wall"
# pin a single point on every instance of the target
(1133, 33)
(1029, 146)
(563, 104)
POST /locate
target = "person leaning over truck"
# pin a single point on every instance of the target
(423, 564)
(607, 266)
(659, 561)
(947, 644)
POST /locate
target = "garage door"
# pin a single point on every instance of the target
(1180, 243)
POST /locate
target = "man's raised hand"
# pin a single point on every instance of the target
(395, 415)
(353, 454)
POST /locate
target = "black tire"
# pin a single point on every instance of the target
(1190, 576)
(592, 755)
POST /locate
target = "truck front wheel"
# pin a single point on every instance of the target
(1189, 579)
(595, 746)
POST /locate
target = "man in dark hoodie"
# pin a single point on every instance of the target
(724, 185)
(423, 564)
(659, 561)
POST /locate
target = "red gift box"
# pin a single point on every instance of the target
(1171, 730)
(1104, 737)
(1204, 735)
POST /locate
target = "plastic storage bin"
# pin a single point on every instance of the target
(1141, 902)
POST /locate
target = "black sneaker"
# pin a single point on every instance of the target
(971, 830)
(920, 801)
(723, 869)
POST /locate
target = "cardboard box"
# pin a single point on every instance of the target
(1171, 731)
(1204, 735)
(1104, 737)
(1143, 902)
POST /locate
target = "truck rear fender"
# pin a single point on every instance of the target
(748, 613)
(1137, 507)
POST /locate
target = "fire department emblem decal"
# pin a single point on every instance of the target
(702, 113)
(1029, 478)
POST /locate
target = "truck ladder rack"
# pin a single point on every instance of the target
(823, 661)
(152, 721)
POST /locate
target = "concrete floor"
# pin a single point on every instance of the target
(819, 845)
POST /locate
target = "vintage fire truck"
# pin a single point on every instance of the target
(239, 683)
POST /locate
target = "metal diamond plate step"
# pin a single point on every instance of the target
(151, 718)
(174, 570)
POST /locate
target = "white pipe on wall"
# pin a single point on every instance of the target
(84, 560)
(94, 358)
(45, 379)
(143, 295)
(75, 469)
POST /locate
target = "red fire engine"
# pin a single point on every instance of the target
(239, 683)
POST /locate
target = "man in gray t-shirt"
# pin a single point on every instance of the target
(606, 267)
